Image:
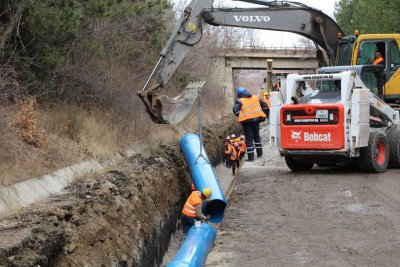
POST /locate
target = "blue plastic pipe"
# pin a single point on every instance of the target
(203, 175)
(194, 251)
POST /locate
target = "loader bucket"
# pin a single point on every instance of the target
(171, 110)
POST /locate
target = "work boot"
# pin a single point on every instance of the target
(250, 157)
(259, 152)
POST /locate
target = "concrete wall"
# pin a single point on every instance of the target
(285, 61)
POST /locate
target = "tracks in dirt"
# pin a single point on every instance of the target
(324, 217)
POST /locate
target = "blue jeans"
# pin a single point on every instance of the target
(187, 222)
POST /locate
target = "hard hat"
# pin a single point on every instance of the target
(240, 90)
(207, 192)
(233, 136)
(242, 136)
(266, 94)
(228, 138)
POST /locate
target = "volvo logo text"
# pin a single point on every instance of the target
(252, 18)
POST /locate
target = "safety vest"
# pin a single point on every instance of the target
(193, 200)
(234, 153)
(250, 109)
(268, 101)
(228, 147)
(243, 147)
(378, 60)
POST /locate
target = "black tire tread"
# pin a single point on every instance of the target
(297, 166)
(394, 148)
(367, 159)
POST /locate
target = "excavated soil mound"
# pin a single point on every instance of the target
(121, 218)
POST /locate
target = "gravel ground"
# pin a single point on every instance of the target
(325, 217)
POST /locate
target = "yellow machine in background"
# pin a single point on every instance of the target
(363, 50)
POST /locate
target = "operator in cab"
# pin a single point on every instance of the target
(378, 59)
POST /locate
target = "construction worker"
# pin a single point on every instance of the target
(378, 59)
(193, 210)
(267, 99)
(227, 151)
(243, 146)
(277, 86)
(235, 157)
(251, 110)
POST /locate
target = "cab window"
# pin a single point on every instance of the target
(394, 57)
(330, 85)
(367, 49)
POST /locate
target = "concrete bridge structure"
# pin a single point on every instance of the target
(247, 66)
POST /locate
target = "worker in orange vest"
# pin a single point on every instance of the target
(277, 86)
(227, 151)
(235, 157)
(251, 110)
(235, 139)
(242, 147)
(378, 59)
(193, 210)
(267, 100)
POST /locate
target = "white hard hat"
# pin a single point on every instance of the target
(233, 136)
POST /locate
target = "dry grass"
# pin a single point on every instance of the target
(99, 112)
(25, 122)
(75, 134)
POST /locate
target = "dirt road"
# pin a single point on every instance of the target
(325, 217)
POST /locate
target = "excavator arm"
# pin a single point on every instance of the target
(276, 15)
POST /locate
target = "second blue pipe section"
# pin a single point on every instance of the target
(203, 175)
(194, 251)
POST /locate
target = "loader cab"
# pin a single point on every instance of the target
(372, 75)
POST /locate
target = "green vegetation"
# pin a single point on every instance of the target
(368, 16)
(39, 38)
(69, 74)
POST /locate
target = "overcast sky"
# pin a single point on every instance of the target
(275, 38)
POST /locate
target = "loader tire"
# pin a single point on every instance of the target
(297, 166)
(374, 157)
(394, 148)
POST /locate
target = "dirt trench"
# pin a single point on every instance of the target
(124, 217)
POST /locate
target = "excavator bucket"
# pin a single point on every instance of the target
(166, 110)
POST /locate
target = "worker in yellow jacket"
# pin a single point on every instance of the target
(193, 209)
(267, 100)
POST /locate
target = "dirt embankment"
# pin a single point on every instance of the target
(121, 218)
